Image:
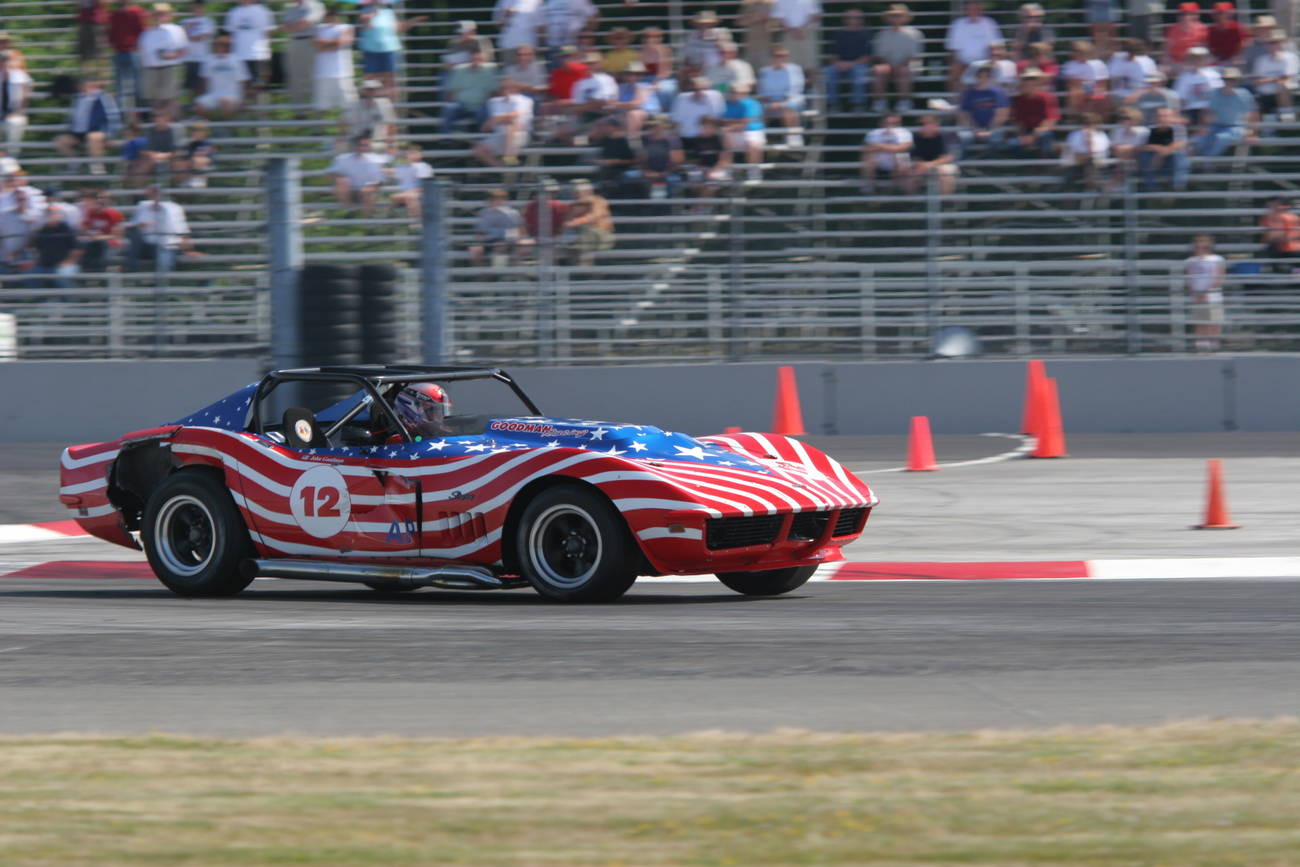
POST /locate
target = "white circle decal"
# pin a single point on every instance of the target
(320, 501)
(302, 428)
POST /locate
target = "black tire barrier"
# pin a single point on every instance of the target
(380, 312)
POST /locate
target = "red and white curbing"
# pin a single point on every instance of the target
(1036, 570)
(45, 532)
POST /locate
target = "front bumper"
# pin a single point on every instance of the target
(688, 543)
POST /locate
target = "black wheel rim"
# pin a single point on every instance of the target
(186, 535)
(565, 546)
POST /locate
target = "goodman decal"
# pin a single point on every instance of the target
(545, 430)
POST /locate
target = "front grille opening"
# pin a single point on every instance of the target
(808, 526)
(850, 521)
(739, 532)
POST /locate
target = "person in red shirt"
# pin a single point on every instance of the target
(1227, 37)
(1281, 232)
(1034, 114)
(544, 234)
(101, 230)
(1186, 33)
(125, 24)
(92, 15)
(570, 71)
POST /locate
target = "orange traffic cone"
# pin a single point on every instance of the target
(920, 447)
(731, 429)
(787, 418)
(1216, 504)
(1051, 432)
(1035, 372)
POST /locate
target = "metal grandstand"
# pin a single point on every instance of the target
(798, 264)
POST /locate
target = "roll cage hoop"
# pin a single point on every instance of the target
(370, 378)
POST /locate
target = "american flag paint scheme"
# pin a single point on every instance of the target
(747, 501)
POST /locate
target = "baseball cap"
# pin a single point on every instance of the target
(1189, 7)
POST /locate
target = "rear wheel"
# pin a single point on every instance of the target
(772, 582)
(574, 547)
(194, 537)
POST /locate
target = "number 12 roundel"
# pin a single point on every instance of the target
(320, 502)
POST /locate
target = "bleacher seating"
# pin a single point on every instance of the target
(799, 262)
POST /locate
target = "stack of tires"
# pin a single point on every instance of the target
(330, 319)
(380, 314)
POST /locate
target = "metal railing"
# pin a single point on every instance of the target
(184, 314)
(839, 311)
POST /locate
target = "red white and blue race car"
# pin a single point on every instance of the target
(396, 488)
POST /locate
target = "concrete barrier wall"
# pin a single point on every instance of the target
(87, 401)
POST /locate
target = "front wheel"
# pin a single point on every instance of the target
(772, 582)
(574, 547)
(194, 537)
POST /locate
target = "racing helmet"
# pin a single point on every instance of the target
(422, 406)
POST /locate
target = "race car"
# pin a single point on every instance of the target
(451, 477)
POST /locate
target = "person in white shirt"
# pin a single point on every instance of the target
(594, 96)
(1197, 83)
(780, 89)
(225, 80)
(885, 151)
(692, 106)
(1205, 270)
(162, 50)
(298, 21)
(357, 175)
(731, 72)
(1084, 75)
(1129, 68)
(565, 19)
(968, 40)
(1275, 75)
(1003, 68)
(517, 23)
(333, 81)
(800, 34)
(251, 25)
(1126, 141)
(1086, 152)
(15, 95)
(509, 120)
(157, 230)
(410, 176)
(199, 29)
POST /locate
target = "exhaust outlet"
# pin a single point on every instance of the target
(444, 577)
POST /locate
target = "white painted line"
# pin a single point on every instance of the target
(1027, 445)
(1195, 567)
(15, 533)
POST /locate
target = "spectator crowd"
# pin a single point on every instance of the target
(663, 117)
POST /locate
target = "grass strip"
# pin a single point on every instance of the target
(1196, 793)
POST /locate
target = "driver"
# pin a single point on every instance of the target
(422, 407)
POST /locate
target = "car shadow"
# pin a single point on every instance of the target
(493, 599)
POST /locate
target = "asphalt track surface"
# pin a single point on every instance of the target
(123, 655)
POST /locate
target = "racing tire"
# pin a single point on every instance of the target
(194, 537)
(771, 582)
(338, 351)
(374, 273)
(331, 334)
(572, 546)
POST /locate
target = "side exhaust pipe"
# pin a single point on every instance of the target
(445, 577)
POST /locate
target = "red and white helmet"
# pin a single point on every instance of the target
(422, 406)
